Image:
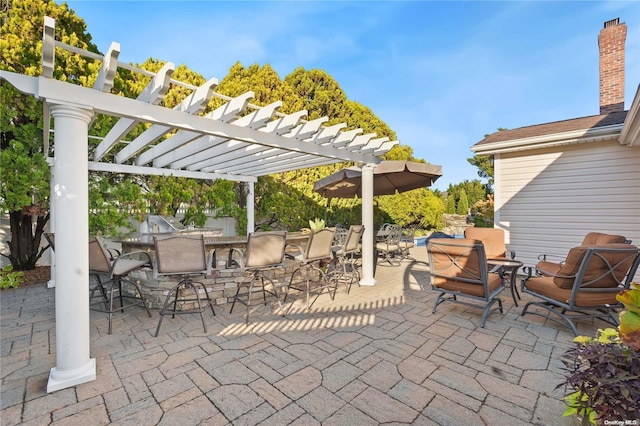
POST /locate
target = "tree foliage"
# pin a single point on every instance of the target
(463, 203)
(24, 174)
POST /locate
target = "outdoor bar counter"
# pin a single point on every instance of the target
(222, 284)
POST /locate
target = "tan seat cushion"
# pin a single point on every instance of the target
(546, 286)
(595, 268)
(495, 281)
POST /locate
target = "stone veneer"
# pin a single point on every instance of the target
(221, 285)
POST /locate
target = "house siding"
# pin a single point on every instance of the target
(547, 200)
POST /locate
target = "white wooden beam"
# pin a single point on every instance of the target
(374, 144)
(385, 147)
(153, 94)
(104, 81)
(194, 103)
(207, 146)
(344, 138)
(306, 130)
(284, 124)
(142, 170)
(48, 47)
(327, 134)
(224, 113)
(359, 141)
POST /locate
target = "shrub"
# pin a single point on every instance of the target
(604, 372)
(10, 279)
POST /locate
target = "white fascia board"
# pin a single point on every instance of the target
(142, 170)
(65, 93)
(597, 134)
(630, 134)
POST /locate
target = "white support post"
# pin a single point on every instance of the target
(70, 198)
(52, 227)
(251, 207)
(367, 220)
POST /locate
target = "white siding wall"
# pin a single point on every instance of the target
(547, 200)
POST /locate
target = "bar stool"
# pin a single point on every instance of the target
(183, 255)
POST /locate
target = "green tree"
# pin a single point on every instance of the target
(463, 203)
(474, 189)
(451, 204)
(24, 174)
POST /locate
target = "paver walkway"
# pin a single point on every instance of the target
(377, 355)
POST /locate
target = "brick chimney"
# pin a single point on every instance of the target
(611, 43)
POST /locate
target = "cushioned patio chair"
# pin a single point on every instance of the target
(309, 276)
(493, 241)
(116, 269)
(264, 253)
(586, 285)
(548, 267)
(459, 271)
(184, 256)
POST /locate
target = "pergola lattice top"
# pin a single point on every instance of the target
(229, 142)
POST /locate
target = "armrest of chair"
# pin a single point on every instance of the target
(551, 258)
(211, 261)
(239, 261)
(299, 249)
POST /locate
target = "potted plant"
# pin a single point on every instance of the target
(604, 372)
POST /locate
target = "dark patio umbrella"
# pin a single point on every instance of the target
(388, 177)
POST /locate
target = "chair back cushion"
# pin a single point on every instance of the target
(456, 259)
(180, 254)
(606, 268)
(265, 249)
(597, 238)
(319, 244)
(492, 239)
(99, 258)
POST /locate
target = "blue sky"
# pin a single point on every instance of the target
(441, 74)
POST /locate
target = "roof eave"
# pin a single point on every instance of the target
(597, 134)
(630, 134)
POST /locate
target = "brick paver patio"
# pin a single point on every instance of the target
(377, 355)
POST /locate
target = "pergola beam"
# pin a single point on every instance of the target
(153, 94)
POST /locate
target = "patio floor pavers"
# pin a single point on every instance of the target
(376, 355)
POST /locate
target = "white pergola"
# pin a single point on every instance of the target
(237, 141)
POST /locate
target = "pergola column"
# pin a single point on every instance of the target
(52, 256)
(251, 207)
(367, 221)
(71, 205)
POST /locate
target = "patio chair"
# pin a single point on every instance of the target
(459, 269)
(493, 241)
(309, 270)
(496, 250)
(388, 243)
(116, 269)
(586, 285)
(407, 242)
(264, 253)
(547, 267)
(184, 256)
(344, 267)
